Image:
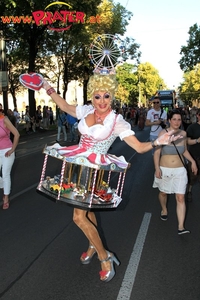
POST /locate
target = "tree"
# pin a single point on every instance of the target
(27, 36)
(189, 90)
(191, 52)
(35, 45)
(137, 83)
(149, 81)
(16, 65)
(113, 20)
(127, 83)
(34, 39)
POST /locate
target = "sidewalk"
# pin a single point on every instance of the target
(21, 129)
(35, 141)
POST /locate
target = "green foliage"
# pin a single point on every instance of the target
(189, 90)
(127, 82)
(30, 48)
(191, 52)
(137, 83)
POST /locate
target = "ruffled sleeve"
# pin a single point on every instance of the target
(83, 110)
(122, 128)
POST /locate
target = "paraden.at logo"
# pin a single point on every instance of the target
(54, 17)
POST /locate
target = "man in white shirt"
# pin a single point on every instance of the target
(156, 119)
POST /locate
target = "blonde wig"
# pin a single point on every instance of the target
(102, 83)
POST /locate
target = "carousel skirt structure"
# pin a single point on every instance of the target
(84, 185)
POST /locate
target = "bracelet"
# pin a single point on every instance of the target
(197, 141)
(50, 91)
(152, 144)
(157, 142)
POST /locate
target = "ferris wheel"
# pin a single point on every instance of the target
(106, 51)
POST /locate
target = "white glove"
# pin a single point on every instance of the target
(46, 85)
(167, 138)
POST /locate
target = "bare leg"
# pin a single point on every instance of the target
(91, 233)
(163, 202)
(180, 210)
(91, 249)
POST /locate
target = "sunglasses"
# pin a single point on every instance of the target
(105, 96)
(156, 102)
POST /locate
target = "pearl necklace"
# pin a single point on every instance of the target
(100, 118)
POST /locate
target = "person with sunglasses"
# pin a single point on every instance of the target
(156, 118)
(193, 140)
(99, 126)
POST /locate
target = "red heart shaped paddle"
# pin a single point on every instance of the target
(32, 81)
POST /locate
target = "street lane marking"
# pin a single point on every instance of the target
(131, 271)
(23, 191)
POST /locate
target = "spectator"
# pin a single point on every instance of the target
(61, 125)
(193, 140)
(7, 155)
(48, 117)
(38, 116)
(133, 116)
(193, 115)
(128, 116)
(71, 121)
(27, 119)
(141, 118)
(155, 118)
(1, 110)
(45, 116)
(186, 117)
(17, 116)
(33, 124)
(51, 120)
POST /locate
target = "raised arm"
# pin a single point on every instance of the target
(142, 147)
(62, 103)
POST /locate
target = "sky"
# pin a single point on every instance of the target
(161, 28)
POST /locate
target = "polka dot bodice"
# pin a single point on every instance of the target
(97, 146)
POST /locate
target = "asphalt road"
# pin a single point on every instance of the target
(40, 245)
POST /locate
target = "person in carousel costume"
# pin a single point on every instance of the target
(99, 127)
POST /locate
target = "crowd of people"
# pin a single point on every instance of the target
(174, 147)
(158, 118)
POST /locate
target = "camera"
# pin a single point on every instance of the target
(162, 124)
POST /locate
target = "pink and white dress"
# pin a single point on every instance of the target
(95, 140)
